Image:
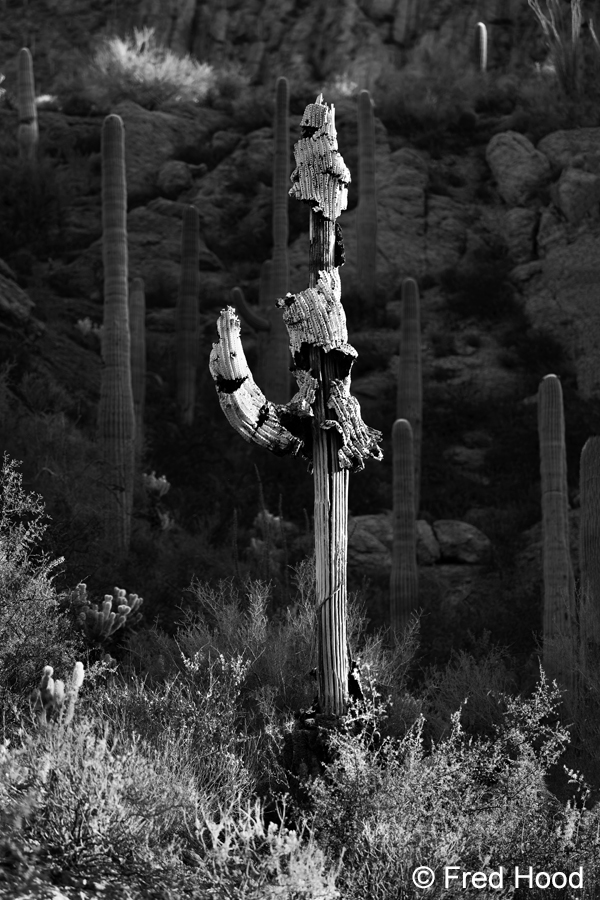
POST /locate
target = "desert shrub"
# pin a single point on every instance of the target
(135, 68)
(394, 805)
(33, 632)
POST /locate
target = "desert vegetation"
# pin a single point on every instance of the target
(150, 741)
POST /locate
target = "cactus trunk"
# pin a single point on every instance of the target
(409, 401)
(137, 327)
(277, 361)
(116, 419)
(404, 579)
(187, 316)
(589, 559)
(559, 585)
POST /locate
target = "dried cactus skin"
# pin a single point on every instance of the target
(409, 399)
(404, 578)
(559, 582)
(187, 319)
(366, 212)
(28, 134)
(589, 557)
(137, 325)
(116, 417)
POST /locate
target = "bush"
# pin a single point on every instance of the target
(33, 632)
(135, 68)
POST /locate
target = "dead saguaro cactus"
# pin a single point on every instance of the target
(322, 420)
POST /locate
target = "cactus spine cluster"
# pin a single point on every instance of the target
(481, 46)
(116, 418)
(28, 134)
(409, 401)
(404, 578)
(137, 327)
(366, 213)
(187, 324)
(559, 583)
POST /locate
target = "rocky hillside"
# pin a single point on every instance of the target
(484, 196)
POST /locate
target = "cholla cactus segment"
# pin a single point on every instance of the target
(78, 675)
(49, 697)
(117, 610)
(156, 485)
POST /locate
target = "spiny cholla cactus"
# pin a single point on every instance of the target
(48, 699)
(100, 623)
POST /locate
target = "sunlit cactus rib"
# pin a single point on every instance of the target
(116, 417)
(559, 582)
(404, 579)
(589, 559)
(137, 326)
(409, 400)
(187, 323)
(366, 213)
(322, 421)
(28, 134)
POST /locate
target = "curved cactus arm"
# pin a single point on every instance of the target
(244, 404)
(247, 313)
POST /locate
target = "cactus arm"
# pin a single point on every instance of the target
(245, 311)
(28, 134)
(409, 404)
(481, 46)
(366, 212)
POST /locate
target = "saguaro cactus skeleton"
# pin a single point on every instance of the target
(322, 421)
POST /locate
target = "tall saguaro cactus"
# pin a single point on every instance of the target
(28, 123)
(116, 418)
(404, 579)
(322, 421)
(137, 328)
(279, 274)
(409, 400)
(559, 584)
(366, 213)
(481, 46)
(589, 556)
(187, 325)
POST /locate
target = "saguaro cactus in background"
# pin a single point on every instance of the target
(322, 421)
(409, 400)
(137, 327)
(28, 124)
(404, 579)
(186, 327)
(258, 319)
(279, 367)
(559, 583)
(366, 213)
(589, 557)
(116, 418)
(481, 48)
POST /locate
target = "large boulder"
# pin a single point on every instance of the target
(518, 168)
